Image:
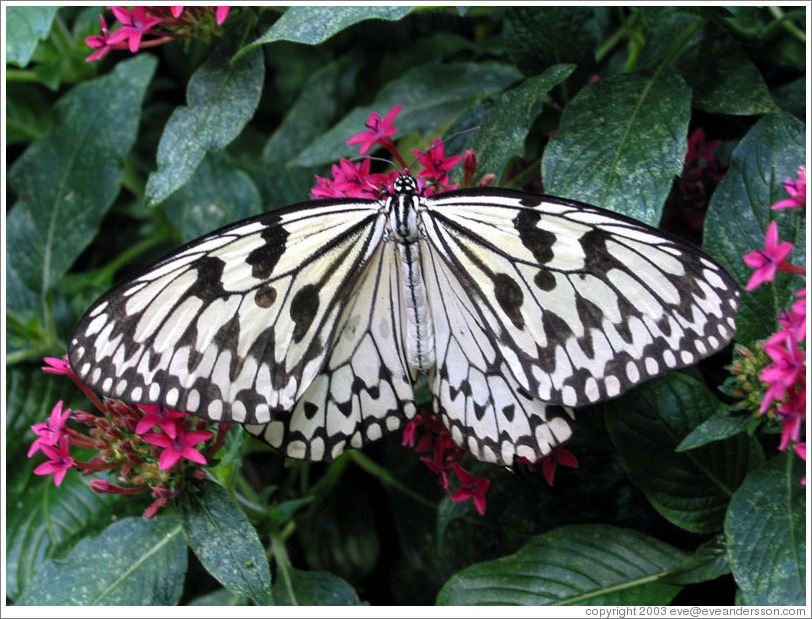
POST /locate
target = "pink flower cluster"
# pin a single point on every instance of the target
(148, 26)
(127, 442)
(354, 180)
(785, 375)
(445, 460)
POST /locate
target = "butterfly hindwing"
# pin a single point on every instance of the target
(236, 325)
(365, 388)
(481, 403)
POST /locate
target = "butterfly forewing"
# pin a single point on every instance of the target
(581, 304)
(235, 326)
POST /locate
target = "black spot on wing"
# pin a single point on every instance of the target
(265, 296)
(539, 242)
(263, 259)
(510, 298)
(544, 280)
(303, 309)
(209, 283)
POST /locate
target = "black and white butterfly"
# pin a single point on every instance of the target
(311, 324)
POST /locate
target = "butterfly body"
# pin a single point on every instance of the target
(310, 324)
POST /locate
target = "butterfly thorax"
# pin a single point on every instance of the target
(403, 208)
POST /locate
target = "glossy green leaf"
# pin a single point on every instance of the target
(432, 95)
(225, 542)
(300, 588)
(221, 98)
(721, 425)
(133, 562)
(620, 144)
(27, 113)
(512, 115)
(740, 212)
(308, 118)
(573, 565)
(708, 562)
(766, 532)
(24, 27)
(219, 194)
(538, 37)
(723, 78)
(221, 597)
(44, 518)
(692, 489)
(68, 179)
(312, 25)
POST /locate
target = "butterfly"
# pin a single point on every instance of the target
(311, 324)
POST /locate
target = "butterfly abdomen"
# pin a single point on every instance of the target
(403, 221)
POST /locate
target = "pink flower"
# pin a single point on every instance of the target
(786, 371)
(435, 163)
(100, 42)
(176, 11)
(378, 131)
(135, 25)
(800, 449)
(181, 446)
(55, 365)
(472, 487)
(561, 456)
(770, 260)
(221, 14)
(793, 414)
(49, 432)
(161, 416)
(59, 463)
(796, 190)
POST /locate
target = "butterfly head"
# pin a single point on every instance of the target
(405, 183)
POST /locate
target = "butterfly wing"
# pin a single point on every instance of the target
(578, 304)
(365, 387)
(482, 404)
(236, 325)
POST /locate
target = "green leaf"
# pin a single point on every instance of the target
(572, 565)
(620, 143)
(313, 589)
(68, 179)
(691, 489)
(502, 136)
(766, 533)
(43, 518)
(225, 542)
(221, 98)
(710, 561)
(312, 25)
(721, 425)
(538, 37)
(308, 118)
(218, 194)
(221, 597)
(24, 27)
(740, 212)
(723, 78)
(432, 95)
(133, 562)
(28, 116)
